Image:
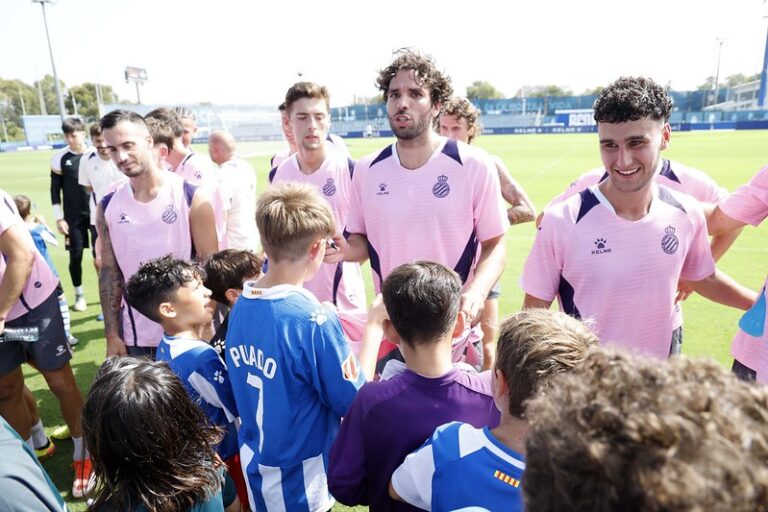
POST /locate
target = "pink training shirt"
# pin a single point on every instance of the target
(341, 284)
(671, 174)
(749, 204)
(142, 231)
(622, 274)
(439, 212)
(41, 281)
(199, 170)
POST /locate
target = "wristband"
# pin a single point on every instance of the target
(57, 212)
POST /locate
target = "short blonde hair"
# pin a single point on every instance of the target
(291, 217)
(535, 345)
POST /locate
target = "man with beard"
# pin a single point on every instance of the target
(153, 214)
(426, 197)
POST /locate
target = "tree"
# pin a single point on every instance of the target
(85, 96)
(729, 81)
(482, 90)
(16, 98)
(540, 91)
(593, 91)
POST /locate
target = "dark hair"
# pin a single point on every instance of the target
(227, 269)
(23, 204)
(536, 344)
(169, 117)
(462, 108)
(157, 281)
(72, 125)
(630, 99)
(623, 432)
(149, 444)
(438, 84)
(422, 300)
(301, 90)
(95, 130)
(118, 116)
(160, 132)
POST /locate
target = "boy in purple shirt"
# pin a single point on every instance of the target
(389, 419)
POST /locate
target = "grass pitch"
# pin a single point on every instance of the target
(543, 164)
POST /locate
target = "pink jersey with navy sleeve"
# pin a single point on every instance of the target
(440, 212)
(341, 284)
(140, 232)
(41, 281)
(621, 274)
(749, 204)
(200, 170)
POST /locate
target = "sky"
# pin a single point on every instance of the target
(249, 52)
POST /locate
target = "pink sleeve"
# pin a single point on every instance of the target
(355, 220)
(749, 203)
(8, 215)
(699, 263)
(584, 181)
(489, 208)
(543, 267)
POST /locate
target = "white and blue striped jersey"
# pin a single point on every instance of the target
(461, 467)
(293, 376)
(205, 378)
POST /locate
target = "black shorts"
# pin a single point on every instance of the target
(81, 233)
(50, 352)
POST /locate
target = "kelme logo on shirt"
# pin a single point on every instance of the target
(123, 219)
(382, 190)
(329, 188)
(169, 214)
(670, 242)
(441, 189)
(601, 246)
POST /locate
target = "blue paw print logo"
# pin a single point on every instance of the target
(600, 243)
(318, 317)
(218, 376)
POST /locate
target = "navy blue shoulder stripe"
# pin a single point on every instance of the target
(588, 201)
(351, 165)
(271, 175)
(666, 196)
(603, 177)
(667, 172)
(105, 201)
(451, 149)
(92, 155)
(382, 156)
(12, 208)
(189, 192)
(566, 293)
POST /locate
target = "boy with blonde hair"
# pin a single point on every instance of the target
(463, 466)
(292, 371)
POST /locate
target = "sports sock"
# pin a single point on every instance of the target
(79, 290)
(77, 450)
(30, 443)
(64, 308)
(39, 438)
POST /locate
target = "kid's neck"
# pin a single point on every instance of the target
(284, 272)
(511, 432)
(430, 360)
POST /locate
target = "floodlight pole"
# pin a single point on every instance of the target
(53, 64)
(719, 42)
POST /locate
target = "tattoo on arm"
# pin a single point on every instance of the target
(111, 281)
(522, 209)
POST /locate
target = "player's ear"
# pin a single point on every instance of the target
(500, 384)
(666, 135)
(390, 333)
(166, 310)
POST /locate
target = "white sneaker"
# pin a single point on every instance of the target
(80, 304)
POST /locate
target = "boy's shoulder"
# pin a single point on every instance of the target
(292, 301)
(171, 347)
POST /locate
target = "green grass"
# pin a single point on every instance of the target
(543, 164)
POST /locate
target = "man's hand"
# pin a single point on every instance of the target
(472, 307)
(684, 291)
(116, 347)
(334, 251)
(63, 227)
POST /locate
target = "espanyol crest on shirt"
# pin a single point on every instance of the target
(670, 243)
(169, 214)
(441, 189)
(329, 188)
